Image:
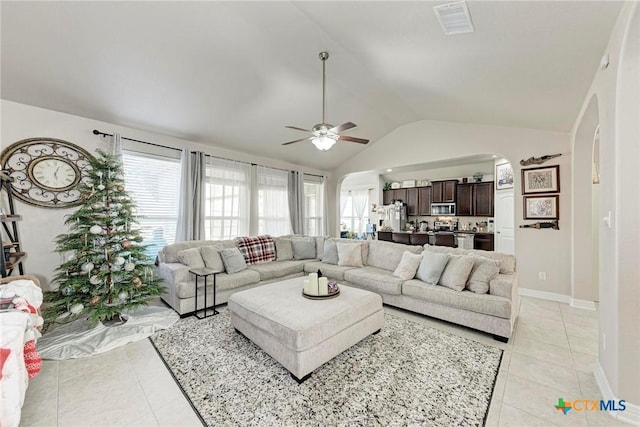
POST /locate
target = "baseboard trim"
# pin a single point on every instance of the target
(582, 303)
(551, 296)
(631, 414)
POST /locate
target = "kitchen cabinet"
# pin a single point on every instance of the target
(412, 201)
(385, 235)
(402, 238)
(475, 199)
(444, 191)
(483, 241)
(424, 201)
(388, 196)
(418, 239)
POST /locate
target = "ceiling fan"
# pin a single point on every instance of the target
(324, 135)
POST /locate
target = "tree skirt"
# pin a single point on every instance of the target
(407, 374)
(82, 339)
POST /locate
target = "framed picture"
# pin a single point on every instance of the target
(541, 180)
(504, 176)
(541, 207)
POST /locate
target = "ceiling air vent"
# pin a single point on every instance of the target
(454, 18)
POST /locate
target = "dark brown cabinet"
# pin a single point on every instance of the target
(412, 201)
(388, 196)
(475, 199)
(464, 204)
(443, 191)
(483, 241)
(483, 199)
(424, 201)
(385, 235)
(418, 239)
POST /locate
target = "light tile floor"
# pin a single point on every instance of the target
(551, 355)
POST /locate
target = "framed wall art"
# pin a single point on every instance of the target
(541, 207)
(541, 180)
(504, 176)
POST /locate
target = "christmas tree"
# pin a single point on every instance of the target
(104, 269)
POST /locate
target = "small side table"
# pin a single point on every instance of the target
(205, 272)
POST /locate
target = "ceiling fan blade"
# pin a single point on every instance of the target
(343, 127)
(352, 139)
(297, 128)
(297, 140)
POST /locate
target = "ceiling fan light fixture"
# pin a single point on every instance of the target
(324, 142)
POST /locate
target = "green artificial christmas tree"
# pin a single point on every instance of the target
(107, 270)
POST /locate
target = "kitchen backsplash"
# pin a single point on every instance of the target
(461, 220)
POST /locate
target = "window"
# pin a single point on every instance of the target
(313, 205)
(273, 201)
(226, 205)
(355, 214)
(153, 182)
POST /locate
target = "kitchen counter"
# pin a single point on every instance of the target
(481, 240)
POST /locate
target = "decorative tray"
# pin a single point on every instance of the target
(329, 296)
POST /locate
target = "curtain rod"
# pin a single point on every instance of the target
(103, 134)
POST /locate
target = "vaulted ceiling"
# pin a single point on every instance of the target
(233, 74)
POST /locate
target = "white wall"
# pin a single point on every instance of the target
(427, 141)
(617, 89)
(40, 226)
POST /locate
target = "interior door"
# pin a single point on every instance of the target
(504, 238)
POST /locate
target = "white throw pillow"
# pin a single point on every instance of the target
(432, 266)
(409, 263)
(456, 272)
(211, 256)
(349, 254)
(484, 270)
(191, 257)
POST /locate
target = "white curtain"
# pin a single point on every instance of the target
(360, 200)
(344, 195)
(116, 147)
(227, 199)
(273, 201)
(296, 201)
(325, 207)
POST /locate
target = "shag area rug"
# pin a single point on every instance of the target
(408, 374)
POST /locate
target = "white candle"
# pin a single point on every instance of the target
(306, 286)
(313, 282)
(322, 286)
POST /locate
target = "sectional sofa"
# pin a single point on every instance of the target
(491, 306)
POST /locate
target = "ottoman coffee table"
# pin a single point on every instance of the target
(300, 333)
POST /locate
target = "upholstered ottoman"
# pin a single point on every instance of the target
(303, 334)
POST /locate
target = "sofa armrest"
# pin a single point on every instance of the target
(173, 272)
(504, 285)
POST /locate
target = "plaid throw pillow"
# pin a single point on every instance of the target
(257, 249)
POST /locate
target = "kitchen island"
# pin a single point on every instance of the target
(470, 239)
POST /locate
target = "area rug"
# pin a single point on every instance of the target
(408, 374)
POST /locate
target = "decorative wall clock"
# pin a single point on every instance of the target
(46, 171)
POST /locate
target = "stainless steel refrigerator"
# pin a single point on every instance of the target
(396, 216)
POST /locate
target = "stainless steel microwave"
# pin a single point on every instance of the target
(443, 209)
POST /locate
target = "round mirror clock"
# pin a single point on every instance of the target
(46, 171)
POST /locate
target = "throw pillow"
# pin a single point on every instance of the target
(233, 260)
(349, 254)
(191, 257)
(484, 270)
(303, 247)
(456, 272)
(409, 263)
(211, 256)
(432, 266)
(330, 252)
(284, 250)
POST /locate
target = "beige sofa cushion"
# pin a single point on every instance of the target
(484, 270)
(387, 255)
(211, 256)
(224, 281)
(502, 285)
(480, 303)
(507, 261)
(408, 265)
(170, 252)
(374, 279)
(456, 272)
(191, 257)
(284, 250)
(330, 271)
(349, 254)
(273, 270)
